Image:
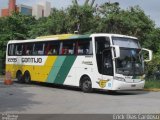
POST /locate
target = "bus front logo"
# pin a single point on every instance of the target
(102, 83)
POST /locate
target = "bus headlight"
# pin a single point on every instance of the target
(119, 79)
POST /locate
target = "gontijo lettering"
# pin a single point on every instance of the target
(31, 60)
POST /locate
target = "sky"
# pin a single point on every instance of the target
(150, 7)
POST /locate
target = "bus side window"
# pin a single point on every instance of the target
(102, 43)
(84, 47)
(18, 49)
(52, 48)
(25, 50)
(38, 49)
(28, 49)
(68, 47)
(10, 49)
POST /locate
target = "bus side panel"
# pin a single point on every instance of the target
(53, 73)
(60, 69)
(42, 72)
(64, 70)
(38, 72)
(12, 68)
(79, 69)
(86, 65)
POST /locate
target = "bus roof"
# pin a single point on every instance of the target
(112, 35)
(67, 36)
(72, 36)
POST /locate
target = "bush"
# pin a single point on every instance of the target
(152, 84)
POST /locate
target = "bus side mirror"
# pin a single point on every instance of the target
(149, 53)
(116, 51)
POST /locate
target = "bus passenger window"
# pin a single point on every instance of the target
(52, 48)
(80, 50)
(27, 49)
(38, 49)
(102, 43)
(52, 52)
(18, 49)
(64, 51)
(70, 51)
(55, 52)
(28, 52)
(68, 48)
(10, 49)
(84, 47)
(49, 52)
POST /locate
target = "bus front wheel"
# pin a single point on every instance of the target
(86, 84)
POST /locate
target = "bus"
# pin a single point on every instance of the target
(101, 61)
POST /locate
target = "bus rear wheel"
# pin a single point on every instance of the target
(27, 77)
(19, 77)
(86, 84)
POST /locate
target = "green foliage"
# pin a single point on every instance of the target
(16, 26)
(152, 66)
(152, 42)
(56, 23)
(132, 21)
(81, 18)
(152, 84)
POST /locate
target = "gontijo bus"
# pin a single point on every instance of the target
(103, 61)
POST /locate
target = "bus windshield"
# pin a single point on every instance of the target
(130, 61)
(126, 42)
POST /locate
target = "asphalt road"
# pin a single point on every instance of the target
(48, 99)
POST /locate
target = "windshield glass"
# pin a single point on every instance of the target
(130, 61)
(126, 42)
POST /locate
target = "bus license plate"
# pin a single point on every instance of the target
(133, 85)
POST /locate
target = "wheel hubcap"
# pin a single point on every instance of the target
(27, 79)
(86, 85)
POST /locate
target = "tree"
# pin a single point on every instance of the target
(81, 19)
(14, 27)
(132, 21)
(54, 24)
(75, 2)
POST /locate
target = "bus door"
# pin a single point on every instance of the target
(104, 58)
(107, 64)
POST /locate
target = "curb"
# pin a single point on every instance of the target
(153, 89)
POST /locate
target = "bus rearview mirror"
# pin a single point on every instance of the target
(149, 54)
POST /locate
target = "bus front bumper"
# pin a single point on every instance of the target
(121, 85)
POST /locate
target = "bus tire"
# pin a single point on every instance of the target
(19, 77)
(27, 77)
(86, 84)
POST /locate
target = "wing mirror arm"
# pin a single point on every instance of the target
(116, 51)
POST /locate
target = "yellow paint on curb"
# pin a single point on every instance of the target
(153, 89)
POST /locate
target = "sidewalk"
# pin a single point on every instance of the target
(152, 89)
